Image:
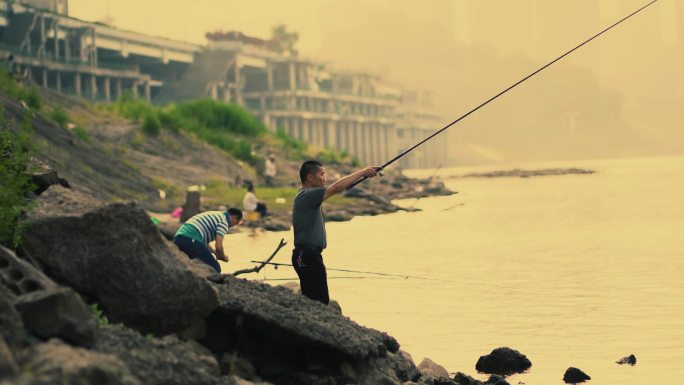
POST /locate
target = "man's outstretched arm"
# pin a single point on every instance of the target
(339, 185)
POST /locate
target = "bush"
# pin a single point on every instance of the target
(15, 154)
(32, 98)
(151, 124)
(131, 107)
(59, 116)
(28, 95)
(220, 116)
(81, 133)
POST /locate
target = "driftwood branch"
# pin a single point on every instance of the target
(256, 269)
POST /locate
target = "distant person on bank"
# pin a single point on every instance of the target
(309, 226)
(270, 170)
(194, 236)
(251, 203)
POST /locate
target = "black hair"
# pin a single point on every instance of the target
(235, 212)
(309, 167)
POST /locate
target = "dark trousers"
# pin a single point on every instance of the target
(313, 279)
(196, 250)
(261, 209)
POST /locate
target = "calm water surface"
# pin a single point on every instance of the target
(573, 270)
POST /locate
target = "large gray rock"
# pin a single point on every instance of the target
(503, 361)
(427, 367)
(8, 367)
(57, 363)
(290, 338)
(11, 327)
(114, 254)
(19, 276)
(159, 361)
(575, 376)
(58, 312)
(282, 316)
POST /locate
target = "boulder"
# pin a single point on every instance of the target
(503, 361)
(57, 363)
(19, 276)
(464, 379)
(8, 367)
(115, 255)
(58, 312)
(496, 380)
(299, 320)
(427, 367)
(284, 334)
(233, 364)
(11, 327)
(575, 376)
(165, 360)
(629, 360)
(44, 176)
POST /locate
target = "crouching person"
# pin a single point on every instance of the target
(194, 236)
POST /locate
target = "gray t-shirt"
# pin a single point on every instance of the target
(307, 218)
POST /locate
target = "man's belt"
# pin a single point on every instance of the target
(310, 248)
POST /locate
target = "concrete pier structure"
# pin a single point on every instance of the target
(83, 58)
(359, 113)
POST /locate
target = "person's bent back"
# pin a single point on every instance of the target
(194, 236)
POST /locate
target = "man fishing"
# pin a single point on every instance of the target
(309, 225)
(194, 236)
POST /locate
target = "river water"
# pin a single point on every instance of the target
(571, 270)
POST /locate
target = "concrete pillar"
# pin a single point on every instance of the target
(45, 78)
(58, 80)
(262, 102)
(134, 89)
(107, 90)
(55, 31)
(118, 89)
(269, 76)
(331, 129)
(93, 87)
(77, 83)
(148, 91)
(367, 142)
(238, 86)
(293, 85)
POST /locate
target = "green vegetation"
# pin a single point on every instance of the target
(226, 126)
(59, 116)
(81, 133)
(28, 95)
(285, 40)
(151, 124)
(99, 314)
(294, 148)
(15, 178)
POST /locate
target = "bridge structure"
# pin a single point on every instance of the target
(43, 44)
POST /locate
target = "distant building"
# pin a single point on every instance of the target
(359, 113)
(83, 58)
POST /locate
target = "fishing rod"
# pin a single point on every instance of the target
(499, 94)
(276, 265)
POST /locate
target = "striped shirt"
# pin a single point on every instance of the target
(204, 227)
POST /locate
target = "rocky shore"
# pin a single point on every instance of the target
(96, 295)
(374, 197)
